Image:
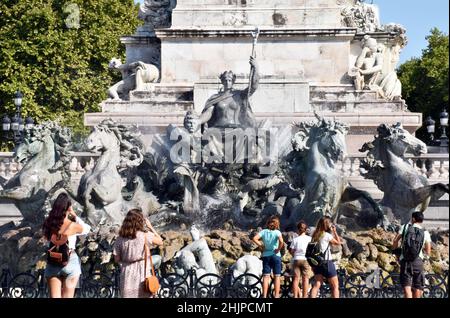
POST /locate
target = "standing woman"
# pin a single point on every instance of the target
(129, 253)
(63, 221)
(301, 268)
(272, 241)
(328, 270)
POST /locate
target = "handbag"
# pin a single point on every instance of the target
(151, 283)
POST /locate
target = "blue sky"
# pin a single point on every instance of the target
(417, 16)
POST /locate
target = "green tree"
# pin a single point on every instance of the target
(59, 58)
(425, 80)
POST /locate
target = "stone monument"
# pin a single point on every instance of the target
(307, 52)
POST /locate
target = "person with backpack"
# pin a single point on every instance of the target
(61, 228)
(271, 241)
(132, 250)
(414, 241)
(301, 268)
(318, 255)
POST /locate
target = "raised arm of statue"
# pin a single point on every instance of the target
(254, 73)
(362, 57)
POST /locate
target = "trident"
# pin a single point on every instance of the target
(255, 35)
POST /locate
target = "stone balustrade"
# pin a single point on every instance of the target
(435, 167)
(81, 162)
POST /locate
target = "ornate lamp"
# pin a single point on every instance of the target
(431, 127)
(15, 123)
(13, 128)
(18, 98)
(6, 124)
(443, 118)
(29, 123)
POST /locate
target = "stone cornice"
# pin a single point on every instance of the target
(246, 32)
(139, 39)
(358, 121)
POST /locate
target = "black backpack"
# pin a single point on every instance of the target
(314, 256)
(413, 239)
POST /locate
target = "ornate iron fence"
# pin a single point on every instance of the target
(103, 285)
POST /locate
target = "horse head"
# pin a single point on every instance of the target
(332, 139)
(400, 141)
(36, 141)
(328, 135)
(27, 150)
(102, 139)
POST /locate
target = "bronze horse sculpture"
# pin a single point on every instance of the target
(405, 190)
(34, 183)
(318, 147)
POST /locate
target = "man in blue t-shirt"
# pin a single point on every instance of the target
(272, 241)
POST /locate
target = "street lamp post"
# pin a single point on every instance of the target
(431, 128)
(443, 118)
(13, 128)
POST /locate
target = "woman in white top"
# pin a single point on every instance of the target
(328, 269)
(300, 266)
(62, 220)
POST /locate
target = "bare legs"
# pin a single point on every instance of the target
(334, 286)
(318, 280)
(296, 291)
(276, 282)
(412, 292)
(305, 285)
(295, 287)
(61, 287)
(55, 287)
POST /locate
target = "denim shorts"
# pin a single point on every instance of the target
(327, 270)
(271, 264)
(73, 268)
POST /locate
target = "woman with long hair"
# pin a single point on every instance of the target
(300, 267)
(325, 234)
(271, 240)
(62, 222)
(129, 253)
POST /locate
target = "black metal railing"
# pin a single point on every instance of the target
(103, 285)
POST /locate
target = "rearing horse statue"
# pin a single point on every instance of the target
(100, 190)
(404, 189)
(318, 146)
(31, 186)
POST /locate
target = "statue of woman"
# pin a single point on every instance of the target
(223, 114)
(230, 108)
